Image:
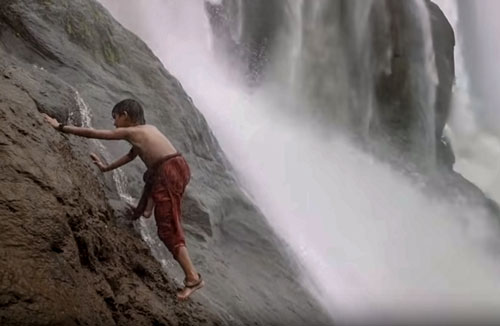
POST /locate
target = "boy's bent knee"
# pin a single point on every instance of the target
(177, 250)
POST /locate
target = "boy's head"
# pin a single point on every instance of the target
(131, 109)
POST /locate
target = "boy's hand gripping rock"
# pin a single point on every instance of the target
(53, 122)
(97, 161)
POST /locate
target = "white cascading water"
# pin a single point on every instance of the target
(428, 91)
(371, 242)
(476, 144)
(118, 175)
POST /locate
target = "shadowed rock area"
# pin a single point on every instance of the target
(68, 257)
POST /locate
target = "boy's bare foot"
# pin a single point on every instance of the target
(190, 288)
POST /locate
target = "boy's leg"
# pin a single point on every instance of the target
(192, 281)
(168, 219)
(187, 265)
(149, 208)
(170, 231)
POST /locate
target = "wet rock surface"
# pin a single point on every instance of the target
(68, 255)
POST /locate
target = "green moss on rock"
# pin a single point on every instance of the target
(111, 54)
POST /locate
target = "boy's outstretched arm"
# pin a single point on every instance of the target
(116, 164)
(118, 133)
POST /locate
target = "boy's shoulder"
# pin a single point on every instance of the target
(144, 129)
(141, 127)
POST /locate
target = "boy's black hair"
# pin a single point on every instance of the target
(133, 109)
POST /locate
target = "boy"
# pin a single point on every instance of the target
(166, 178)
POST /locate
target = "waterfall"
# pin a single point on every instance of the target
(429, 81)
(476, 143)
(369, 241)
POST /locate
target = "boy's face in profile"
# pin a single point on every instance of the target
(121, 120)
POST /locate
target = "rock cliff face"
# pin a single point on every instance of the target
(67, 258)
(401, 94)
(67, 255)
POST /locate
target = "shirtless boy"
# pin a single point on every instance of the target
(166, 178)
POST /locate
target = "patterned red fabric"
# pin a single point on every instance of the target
(170, 181)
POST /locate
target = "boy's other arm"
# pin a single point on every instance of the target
(116, 164)
(118, 133)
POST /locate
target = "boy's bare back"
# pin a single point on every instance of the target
(149, 143)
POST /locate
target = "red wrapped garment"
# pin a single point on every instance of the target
(166, 183)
